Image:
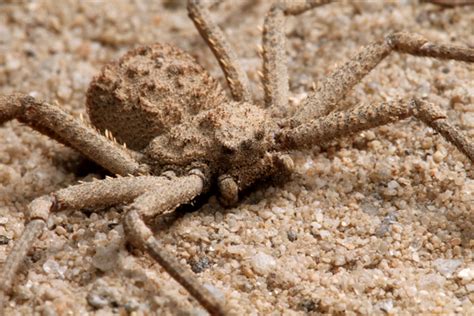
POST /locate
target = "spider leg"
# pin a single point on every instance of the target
(275, 70)
(154, 203)
(57, 124)
(333, 88)
(224, 53)
(451, 3)
(101, 193)
(364, 117)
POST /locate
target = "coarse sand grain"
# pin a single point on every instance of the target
(378, 223)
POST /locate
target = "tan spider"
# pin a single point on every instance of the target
(183, 135)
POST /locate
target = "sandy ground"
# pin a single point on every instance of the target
(381, 223)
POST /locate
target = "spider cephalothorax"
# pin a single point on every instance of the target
(181, 133)
(232, 138)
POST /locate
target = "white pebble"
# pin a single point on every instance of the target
(446, 266)
(214, 291)
(386, 306)
(392, 185)
(106, 258)
(466, 275)
(52, 267)
(97, 301)
(263, 263)
(64, 92)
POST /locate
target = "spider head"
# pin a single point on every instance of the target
(240, 134)
(233, 140)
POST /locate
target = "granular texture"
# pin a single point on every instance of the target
(372, 224)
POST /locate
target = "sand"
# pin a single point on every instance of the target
(379, 223)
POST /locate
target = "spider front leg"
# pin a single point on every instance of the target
(333, 88)
(101, 193)
(364, 117)
(154, 203)
(451, 3)
(224, 53)
(57, 124)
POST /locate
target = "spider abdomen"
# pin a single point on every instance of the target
(149, 90)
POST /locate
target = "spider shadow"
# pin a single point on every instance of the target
(166, 221)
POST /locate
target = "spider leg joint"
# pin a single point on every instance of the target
(41, 207)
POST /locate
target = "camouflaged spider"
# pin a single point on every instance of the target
(182, 133)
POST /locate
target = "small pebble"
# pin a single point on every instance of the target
(4, 240)
(386, 306)
(467, 275)
(438, 156)
(447, 266)
(106, 258)
(307, 305)
(51, 266)
(292, 236)
(200, 265)
(97, 301)
(131, 306)
(263, 263)
(455, 241)
(60, 230)
(102, 294)
(467, 119)
(214, 291)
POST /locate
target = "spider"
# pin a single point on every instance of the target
(181, 135)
